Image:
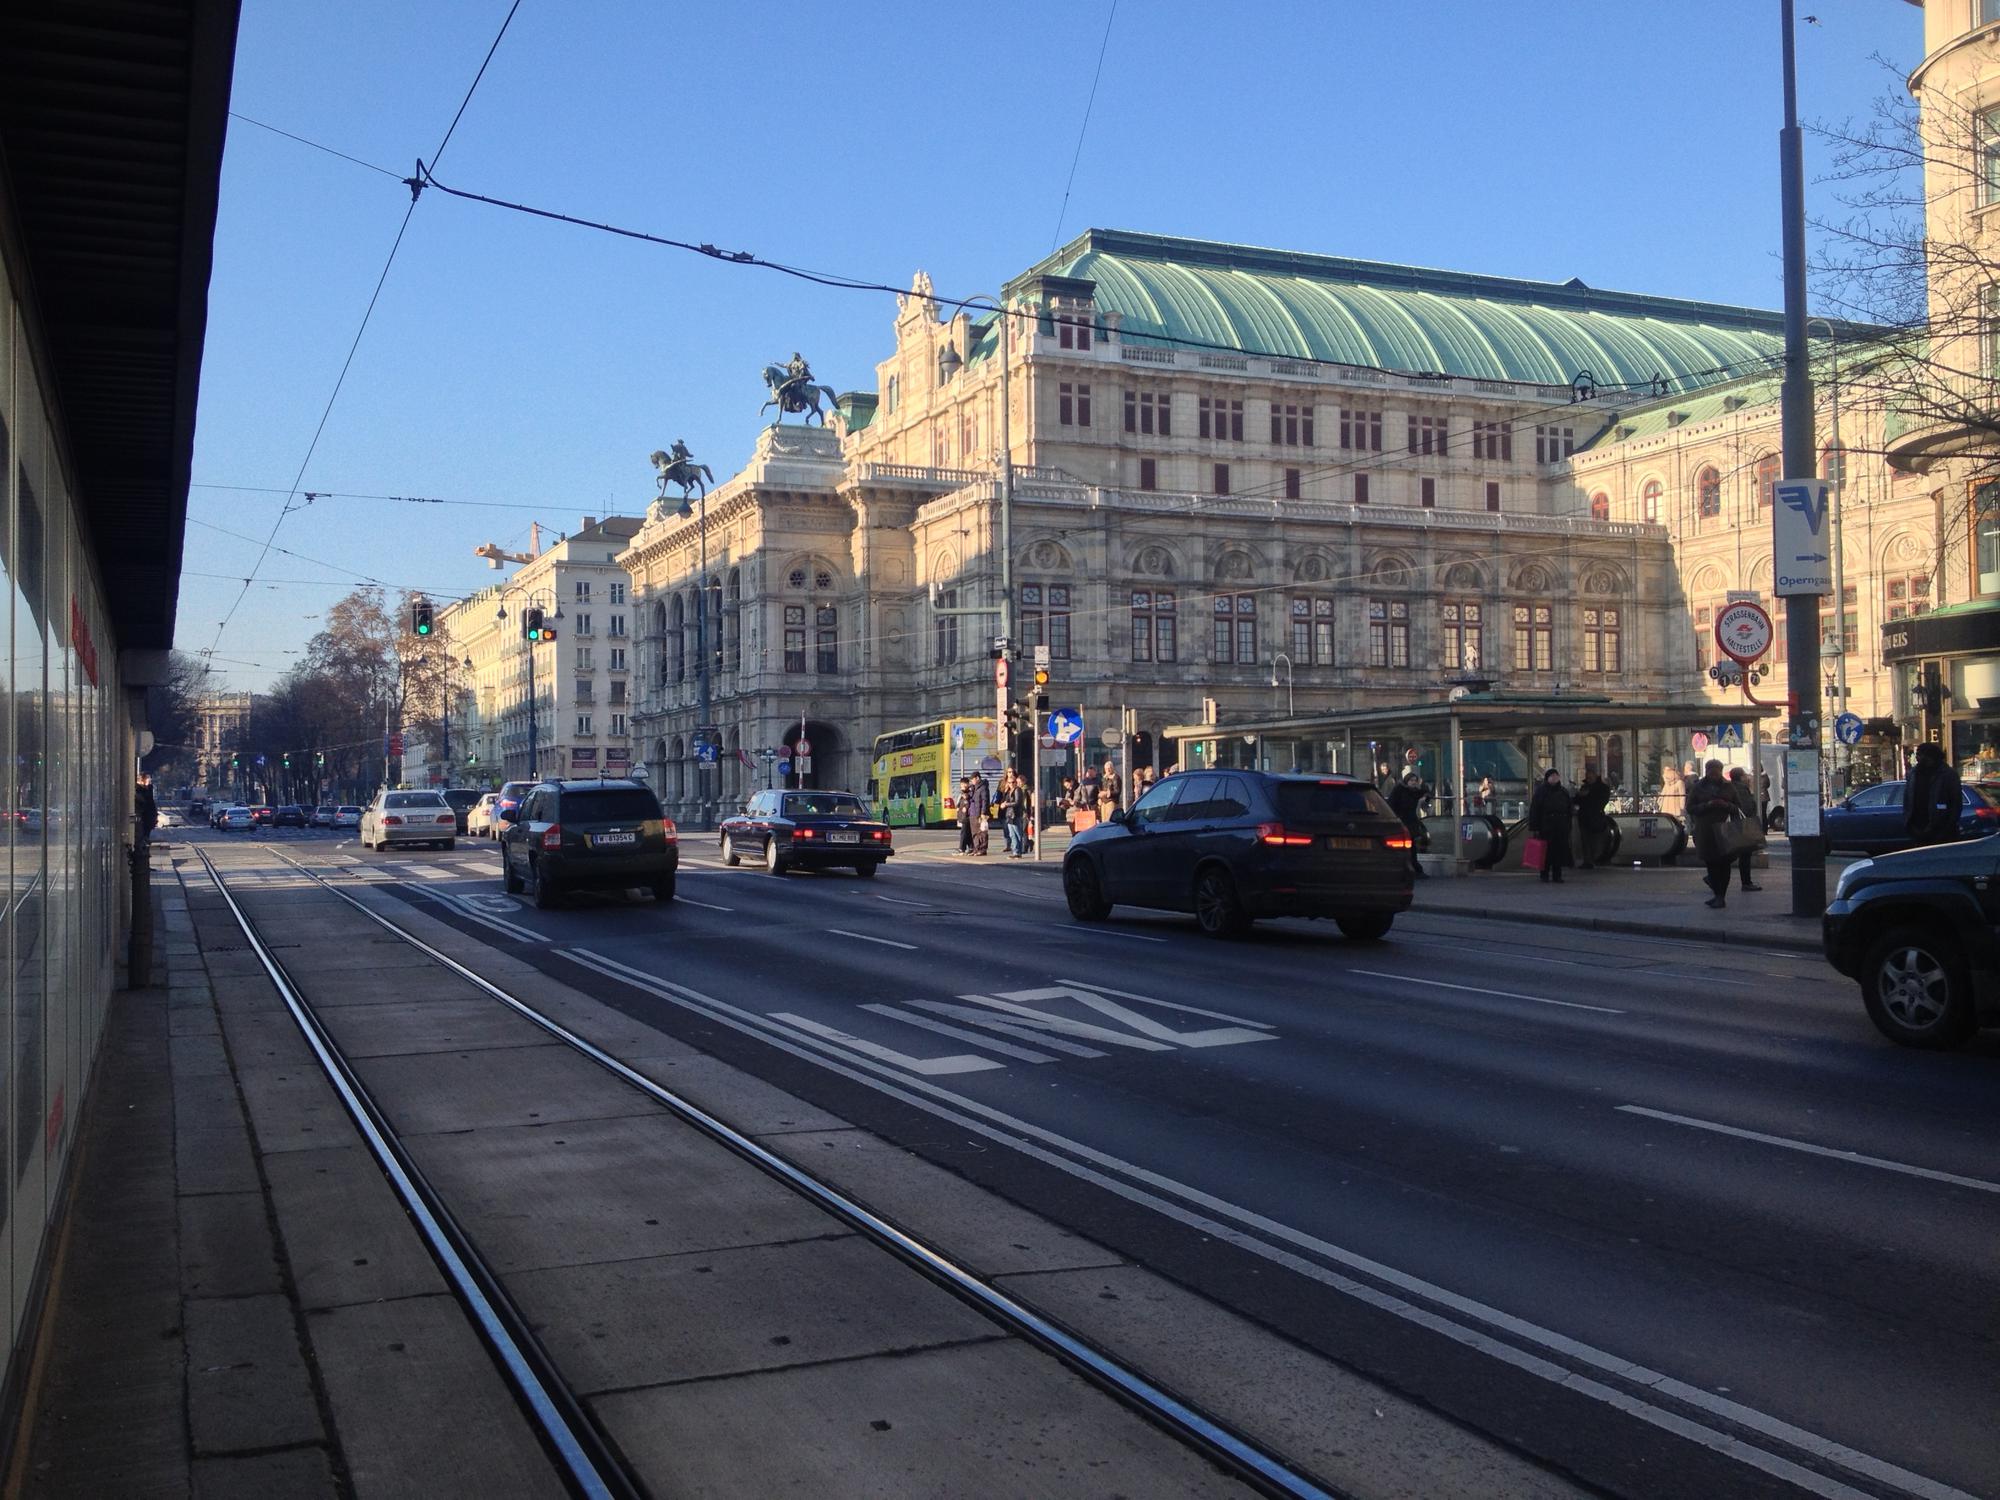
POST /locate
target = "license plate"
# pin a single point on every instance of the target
(843, 838)
(1349, 841)
(614, 838)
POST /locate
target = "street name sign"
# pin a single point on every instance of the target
(1801, 550)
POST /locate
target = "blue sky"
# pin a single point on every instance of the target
(530, 367)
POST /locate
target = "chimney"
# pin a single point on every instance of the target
(588, 522)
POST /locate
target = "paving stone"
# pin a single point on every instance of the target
(230, 962)
(247, 1385)
(511, 1086)
(193, 1020)
(197, 1054)
(300, 1474)
(431, 1023)
(994, 1418)
(266, 1038)
(601, 1190)
(294, 1108)
(226, 1248)
(750, 1104)
(466, 1436)
(236, 994)
(346, 1234)
(724, 1312)
(214, 1161)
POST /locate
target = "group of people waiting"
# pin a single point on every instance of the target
(1010, 803)
(1554, 808)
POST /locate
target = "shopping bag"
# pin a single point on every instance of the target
(1534, 854)
(1740, 835)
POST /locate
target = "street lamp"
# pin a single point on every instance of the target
(1843, 753)
(531, 598)
(1291, 708)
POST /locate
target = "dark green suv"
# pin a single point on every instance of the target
(588, 835)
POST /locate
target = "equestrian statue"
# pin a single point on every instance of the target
(677, 466)
(792, 389)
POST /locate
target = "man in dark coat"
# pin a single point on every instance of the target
(1406, 800)
(980, 802)
(1712, 807)
(1931, 797)
(1592, 797)
(1549, 814)
(145, 809)
(965, 815)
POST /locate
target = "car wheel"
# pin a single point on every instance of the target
(546, 894)
(773, 861)
(509, 881)
(1915, 985)
(1084, 891)
(448, 845)
(867, 868)
(1364, 926)
(1217, 908)
(729, 855)
(663, 889)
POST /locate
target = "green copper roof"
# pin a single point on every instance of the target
(1409, 319)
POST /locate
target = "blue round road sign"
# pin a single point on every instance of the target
(1847, 729)
(784, 768)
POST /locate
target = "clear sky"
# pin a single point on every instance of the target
(530, 367)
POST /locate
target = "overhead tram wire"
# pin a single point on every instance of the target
(1055, 240)
(353, 347)
(330, 151)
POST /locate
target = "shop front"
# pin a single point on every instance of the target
(1946, 668)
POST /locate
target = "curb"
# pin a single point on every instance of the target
(1630, 927)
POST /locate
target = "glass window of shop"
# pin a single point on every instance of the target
(1986, 538)
(1975, 717)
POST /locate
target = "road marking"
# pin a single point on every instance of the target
(1005, 1049)
(426, 872)
(461, 907)
(899, 901)
(864, 937)
(1979, 1184)
(1016, 1002)
(1137, 937)
(988, 1021)
(1147, 1188)
(709, 905)
(1473, 989)
(1186, 1010)
(929, 1067)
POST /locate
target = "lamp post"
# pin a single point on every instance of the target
(1291, 708)
(538, 599)
(1843, 752)
(683, 471)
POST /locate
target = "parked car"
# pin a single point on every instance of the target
(289, 816)
(575, 835)
(1871, 819)
(171, 817)
(808, 831)
(262, 815)
(235, 820)
(217, 811)
(510, 796)
(323, 817)
(483, 817)
(462, 799)
(1232, 846)
(347, 817)
(1920, 931)
(408, 818)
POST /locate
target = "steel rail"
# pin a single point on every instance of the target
(585, 1456)
(1222, 1445)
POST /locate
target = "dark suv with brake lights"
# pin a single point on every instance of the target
(1232, 846)
(1920, 931)
(595, 835)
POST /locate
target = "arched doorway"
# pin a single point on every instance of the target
(829, 757)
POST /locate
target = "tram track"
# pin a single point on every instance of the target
(586, 1454)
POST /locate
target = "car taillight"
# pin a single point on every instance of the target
(803, 833)
(1276, 833)
(669, 832)
(448, 818)
(1986, 812)
(882, 834)
(552, 836)
(391, 820)
(1398, 841)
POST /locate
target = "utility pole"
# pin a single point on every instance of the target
(1803, 696)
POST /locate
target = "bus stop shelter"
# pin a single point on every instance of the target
(1432, 737)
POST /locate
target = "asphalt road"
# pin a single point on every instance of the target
(1671, 1218)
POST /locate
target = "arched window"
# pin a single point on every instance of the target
(733, 619)
(659, 619)
(1600, 506)
(678, 769)
(1766, 476)
(1649, 501)
(677, 644)
(1708, 493)
(715, 642)
(1833, 464)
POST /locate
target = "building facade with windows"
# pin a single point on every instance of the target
(221, 727)
(582, 698)
(1240, 475)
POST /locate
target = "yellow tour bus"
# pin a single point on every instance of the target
(917, 770)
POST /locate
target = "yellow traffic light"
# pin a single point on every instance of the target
(1041, 677)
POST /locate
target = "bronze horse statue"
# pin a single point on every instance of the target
(792, 389)
(678, 467)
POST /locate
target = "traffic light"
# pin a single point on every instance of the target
(421, 622)
(1041, 703)
(1041, 678)
(236, 762)
(319, 757)
(287, 758)
(532, 627)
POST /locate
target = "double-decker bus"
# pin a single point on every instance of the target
(917, 770)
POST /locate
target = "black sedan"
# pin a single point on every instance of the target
(808, 831)
(1232, 846)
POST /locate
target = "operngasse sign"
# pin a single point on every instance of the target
(1801, 541)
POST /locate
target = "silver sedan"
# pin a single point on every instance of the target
(408, 818)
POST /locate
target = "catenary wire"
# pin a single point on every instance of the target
(1083, 129)
(236, 114)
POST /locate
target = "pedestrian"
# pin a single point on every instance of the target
(980, 803)
(1746, 798)
(1009, 808)
(1107, 791)
(145, 810)
(965, 814)
(1712, 809)
(1592, 797)
(1763, 798)
(1931, 797)
(1484, 800)
(1406, 800)
(1673, 791)
(1385, 779)
(1086, 791)
(1138, 782)
(1066, 798)
(1549, 814)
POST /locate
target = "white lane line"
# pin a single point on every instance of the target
(709, 905)
(1211, 1215)
(426, 872)
(864, 937)
(1137, 937)
(1005, 1049)
(1186, 1010)
(1979, 1184)
(930, 1067)
(1473, 989)
(899, 901)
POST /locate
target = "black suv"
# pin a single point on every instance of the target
(1920, 930)
(598, 835)
(1232, 846)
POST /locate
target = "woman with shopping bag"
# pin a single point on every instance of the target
(1750, 837)
(1549, 814)
(1720, 832)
